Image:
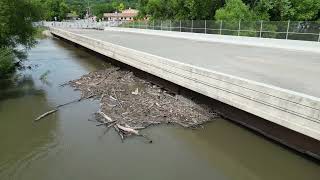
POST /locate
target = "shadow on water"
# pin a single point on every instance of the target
(27, 95)
(242, 154)
(18, 86)
(20, 141)
(82, 57)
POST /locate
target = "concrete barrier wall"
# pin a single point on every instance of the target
(292, 110)
(310, 46)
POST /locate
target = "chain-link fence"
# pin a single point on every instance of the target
(297, 30)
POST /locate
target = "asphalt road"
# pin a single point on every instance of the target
(294, 70)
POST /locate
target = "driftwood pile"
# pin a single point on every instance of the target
(129, 104)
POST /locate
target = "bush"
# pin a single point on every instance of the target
(235, 10)
(7, 62)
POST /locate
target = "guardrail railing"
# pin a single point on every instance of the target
(80, 24)
(295, 30)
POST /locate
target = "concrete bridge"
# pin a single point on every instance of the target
(276, 80)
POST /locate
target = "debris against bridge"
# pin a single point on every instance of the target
(129, 103)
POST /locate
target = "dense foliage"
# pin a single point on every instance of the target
(16, 17)
(278, 10)
(98, 7)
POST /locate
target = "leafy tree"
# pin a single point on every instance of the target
(179, 9)
(295, 10)
(16, 29)
(99, 9)
(56, 8)
(306, 10)
(121, 7)
(142, 6)
(79, 6)
(282, 10)
(198, 9)
(7, 61)
(235, 10)
(262, 9)
(159, 9)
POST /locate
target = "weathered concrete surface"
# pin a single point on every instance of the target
(296, 111)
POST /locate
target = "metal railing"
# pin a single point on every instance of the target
(80, 24)
(296, 30)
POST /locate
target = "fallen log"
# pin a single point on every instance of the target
(109, 120)
(128, 130)
(45, 114)
(105, 116)
(138, 128)
(120, 128)
(119, 132)
(133, 131)
(59, 106)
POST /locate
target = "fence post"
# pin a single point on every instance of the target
(261, 28)
(220, 27)
(205, 26)
(239, 27)
(153, 24)
(288, 29)
(180, 25)
(191, 25)
(319, 37)
(161, 26)
(170, 25)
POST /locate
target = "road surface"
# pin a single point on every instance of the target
(298, 71)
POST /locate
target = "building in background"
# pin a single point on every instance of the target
(72, 16)
(125, 15)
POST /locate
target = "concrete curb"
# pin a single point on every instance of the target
(239, 40)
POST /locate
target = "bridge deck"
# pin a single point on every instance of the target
(298, 71)
(224, 72)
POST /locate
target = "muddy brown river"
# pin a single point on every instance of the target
(67, 146)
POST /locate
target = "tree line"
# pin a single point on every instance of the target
(59, 9)
(231, 10)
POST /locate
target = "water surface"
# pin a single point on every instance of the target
(68, 146)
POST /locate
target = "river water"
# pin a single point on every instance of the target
(67, 146)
